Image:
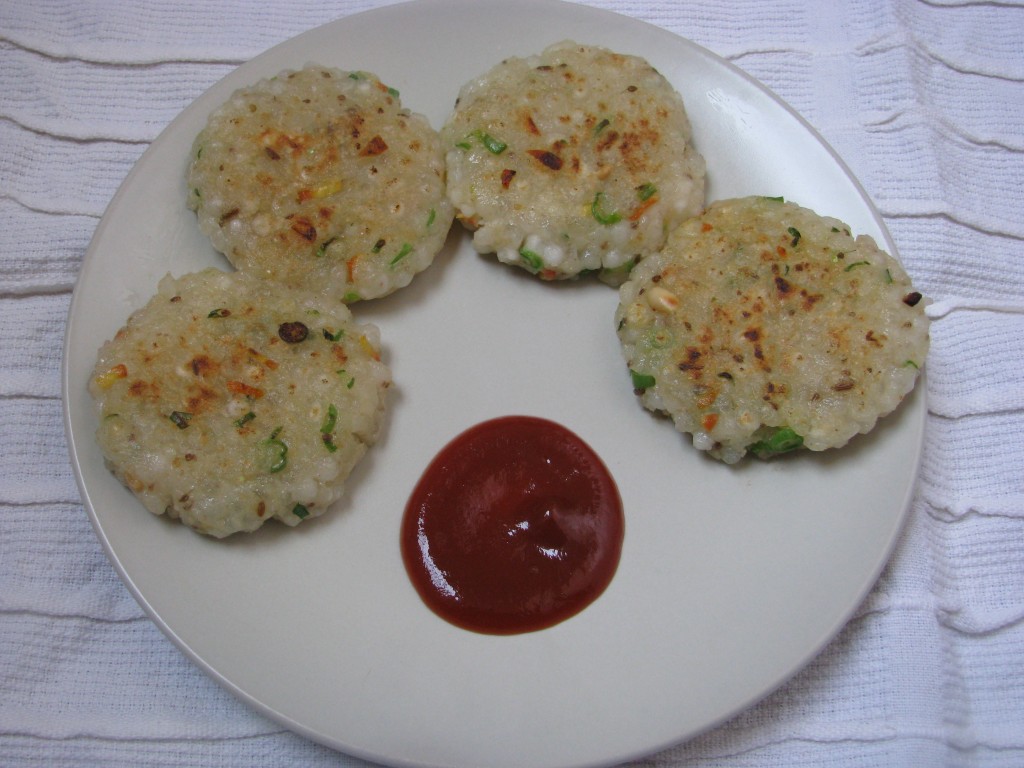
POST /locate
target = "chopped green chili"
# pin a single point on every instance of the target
(245, 419)
(660, 338)
(779, 199)
(221, 312)
(493, 145)
(350, 297)
(796, 236)
(393, 92)
(782, 440)
(378, 245)
(641, 380)
(351, 379)
(532, 258)
(888, 277)
(601, 126)
(431, 216)
(327, 428)
(180, 419)
(330, 336)
(323, 247)
(911, 364)
(601, 216)
(279, 459)
(405, 251)
(856, 264)
(330, 420)
(300, 511)
(646, 191)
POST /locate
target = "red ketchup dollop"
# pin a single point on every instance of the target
(515, 526)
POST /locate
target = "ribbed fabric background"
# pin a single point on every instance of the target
(924, 99)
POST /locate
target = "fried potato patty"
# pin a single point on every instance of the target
(319, 179)
(763, 327)
(227, 401)
(573, 160)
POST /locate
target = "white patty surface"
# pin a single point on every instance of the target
(763, 326)
(319, 179)
(227, 401)
(575, 159)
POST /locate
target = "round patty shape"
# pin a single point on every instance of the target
(319, 179)
(227, 401)
(574, 160)
(764, 327)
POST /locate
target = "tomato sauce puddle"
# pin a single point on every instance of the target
(515, 526)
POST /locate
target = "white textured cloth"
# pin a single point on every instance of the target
(924, 99)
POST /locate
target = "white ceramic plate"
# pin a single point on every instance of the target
(731, 579)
